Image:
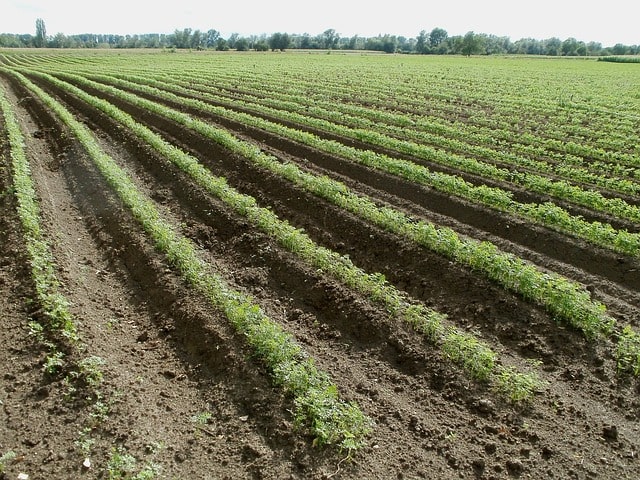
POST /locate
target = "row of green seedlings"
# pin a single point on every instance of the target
(420, 131)
(372, 91)
(531, 181)
(506, 99)
(476, 358)
(59, 333)
(474, 103)
(302, 96)
(54, 306)
(547, 214)
(566, 300)
(317, 403)
(561, 144)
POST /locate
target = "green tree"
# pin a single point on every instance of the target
(198, 40)
(241, 44)
(570, 47)
(619, 49)
(329, 39)
(222, 45)
(553, 46)
(182, 38)
(211, 38)
(233, 38)
(471, 43)
(437, 37)
(279, 41)
(421, 43)
(40, 40)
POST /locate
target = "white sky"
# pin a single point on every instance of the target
(611, 22)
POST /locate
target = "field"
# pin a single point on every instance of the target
(318, 266)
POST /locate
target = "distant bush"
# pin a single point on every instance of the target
(634, 59)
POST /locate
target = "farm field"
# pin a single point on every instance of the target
(318, 266)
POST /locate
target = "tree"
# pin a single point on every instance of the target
(594, 48)
(619, 49)
(437, 36)
(471, 43)
(197, 41)
(233, 38)
(182, 38)
(40, 40)
(421, 42)
(211, 38)
(279, 41)
(553, 46)
(241, 44)
(329, 39)
(222, 45)
(570, 47)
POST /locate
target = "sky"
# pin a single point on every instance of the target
(611, 22)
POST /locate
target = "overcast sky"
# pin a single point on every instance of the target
(610, 22)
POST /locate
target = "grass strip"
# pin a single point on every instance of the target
(316, 399)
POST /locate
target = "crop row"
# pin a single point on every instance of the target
(422, 150)
(410, 220)
(316, 399)
(547, 214)
(566, 300)
(564, 159)
(270, 90)
(55, 308)
(482, 102)
(417, 90)
(463, 348)
(603, 118)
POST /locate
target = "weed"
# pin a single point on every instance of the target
(99, 411)
(53, 363)
(628, 352)
(123, 466)
(85, 442)
(89, 370)
(5, 459)
(201, 418)
(518, 387)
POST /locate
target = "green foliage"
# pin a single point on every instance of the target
(519, 387)
(628, 352)
(615, 59)
(425, 321)
(123, 466)
(571, 303)
(463, 347)
(5, 459)
(289, 366)
(54, 305)
(40, 40)
(279, 41)
(201, 418)
(53, 363)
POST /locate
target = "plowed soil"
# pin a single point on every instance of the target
(181, 388)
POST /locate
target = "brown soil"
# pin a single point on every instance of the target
(169, 357)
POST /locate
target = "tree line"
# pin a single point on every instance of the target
(435, 42)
